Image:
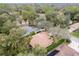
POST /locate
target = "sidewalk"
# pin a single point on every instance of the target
(74, 43)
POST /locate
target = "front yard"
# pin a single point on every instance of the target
(55, 45)
(76, 34)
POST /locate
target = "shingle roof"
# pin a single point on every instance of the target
(42, 39)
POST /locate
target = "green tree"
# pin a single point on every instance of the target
(13, 44)
(6, 23)
(3, 6)
(49, 11)
(59, 33)
(7, 26)
(59, 18)
(76, 17)
(72, 10)
(63, 20)
(39, 51)
(29, 13)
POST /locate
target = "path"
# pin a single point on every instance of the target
(74, 43)
(74, 40)
(73, 27)
(65, 50)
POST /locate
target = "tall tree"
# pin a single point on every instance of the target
(72, 10)
(29, 14)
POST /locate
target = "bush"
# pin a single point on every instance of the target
(68, 41)
(39, 51)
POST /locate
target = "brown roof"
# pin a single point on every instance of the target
(41, 39)
(66, 51)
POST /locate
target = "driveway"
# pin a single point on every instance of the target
(74, 40)
(74, 43)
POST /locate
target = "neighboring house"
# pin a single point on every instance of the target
(65, 50)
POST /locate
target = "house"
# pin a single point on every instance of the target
(42, 39)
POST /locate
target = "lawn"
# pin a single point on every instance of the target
(76, 34)
(55, 45)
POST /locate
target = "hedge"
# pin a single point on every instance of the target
(53, 46)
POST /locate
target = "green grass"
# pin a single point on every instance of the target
(55, 45)
(76, 34)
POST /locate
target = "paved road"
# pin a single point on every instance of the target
(74, 43)
(73, 38)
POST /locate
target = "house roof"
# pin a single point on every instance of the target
(66, 51)
(42, 39)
